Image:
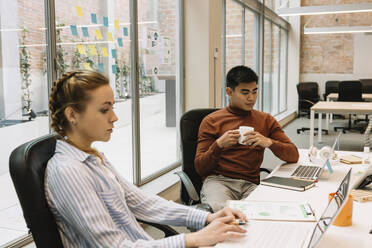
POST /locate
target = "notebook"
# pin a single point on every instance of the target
(288, 183)
(351, 159)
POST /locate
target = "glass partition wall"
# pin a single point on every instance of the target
(133, 42)
(243, 44)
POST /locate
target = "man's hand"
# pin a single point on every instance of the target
(254, 139)
(229, 138)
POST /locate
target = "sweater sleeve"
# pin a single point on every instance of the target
(282, 146)
(207, 152)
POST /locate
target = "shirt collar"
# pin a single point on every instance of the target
(70, 150)
(237, 111)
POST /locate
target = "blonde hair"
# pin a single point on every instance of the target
(72, 90)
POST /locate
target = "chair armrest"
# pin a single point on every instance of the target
(167, 230)
(188, 185)
(268, 171)
(307, 101)
(203, 206)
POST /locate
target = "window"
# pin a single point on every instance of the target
(272, 68)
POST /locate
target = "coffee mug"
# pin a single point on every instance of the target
(345, 216)
(242, 131)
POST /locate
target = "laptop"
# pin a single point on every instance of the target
(313, 172)
(268, 234)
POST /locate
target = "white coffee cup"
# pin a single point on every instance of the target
(242, 131)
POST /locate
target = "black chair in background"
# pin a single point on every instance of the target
(366, 86)
(191, 181)
(308, 95)
(330, 87)
(350, 91)
(27, 165)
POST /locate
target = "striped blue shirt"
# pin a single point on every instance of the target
(95, 207)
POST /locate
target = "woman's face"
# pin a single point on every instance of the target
(96, 122)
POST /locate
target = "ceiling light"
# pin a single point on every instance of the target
(326, 9)
(338, 30)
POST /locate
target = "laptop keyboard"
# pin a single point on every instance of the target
(307, 172)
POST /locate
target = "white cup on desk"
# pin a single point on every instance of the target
(242, 131)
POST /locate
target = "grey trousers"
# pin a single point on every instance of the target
(217, 189)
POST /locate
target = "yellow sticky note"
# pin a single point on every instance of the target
(104, 52)
(93, 50)
(116, 24)
(87, 66)
(81, 49)
(98, 34)
(79, 11)
(109, 36)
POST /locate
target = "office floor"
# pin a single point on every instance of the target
(349, 141)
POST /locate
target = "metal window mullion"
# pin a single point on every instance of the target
(261, 56)
(243, 35)
(51, 52)
(271, 95)
(180, 69)
(223, 64)
(136, 148)
(286, 71)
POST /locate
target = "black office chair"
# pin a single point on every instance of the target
(308, 95)
(27, 165)
(191, 181)
(366, 86)
(350, 91)
(330, 87)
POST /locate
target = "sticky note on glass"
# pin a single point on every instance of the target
(93, 50)
(113, 52)
(116, 24)
(79, 11)
(73, 30)
(104, 52)
(93, 18)
(98, 34)
(81, 49)
(85, 31)
(100, 67)
(114, 69)
(87, 66)
(329, 166)
(120, 42)
(125, 31)
(109, 36)
(105, 21)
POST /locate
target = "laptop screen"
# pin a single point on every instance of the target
(331, 210)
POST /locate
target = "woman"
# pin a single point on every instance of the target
(92, 204)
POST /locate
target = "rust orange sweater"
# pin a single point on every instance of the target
(239, 161)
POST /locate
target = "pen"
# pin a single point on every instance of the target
(237, 222)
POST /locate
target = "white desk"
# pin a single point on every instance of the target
(356, 235)
(334, 96)
(336, 108)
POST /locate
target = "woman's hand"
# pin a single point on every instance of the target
(227, 212)
(218, 230)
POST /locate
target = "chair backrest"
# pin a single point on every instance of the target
(308, 91)
(350, 91)
(189, 125)
(331, 87)
(27, 165)
(366, 85)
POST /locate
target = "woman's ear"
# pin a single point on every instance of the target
(70, 114)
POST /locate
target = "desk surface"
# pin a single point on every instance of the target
(317, 197)
(334, 96)
(343, 107)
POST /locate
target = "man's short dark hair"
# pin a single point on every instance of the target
(240, 74)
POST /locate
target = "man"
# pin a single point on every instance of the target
(231, 170)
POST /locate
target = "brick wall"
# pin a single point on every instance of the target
(330, 53)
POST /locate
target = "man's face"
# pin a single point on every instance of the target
(244, 95)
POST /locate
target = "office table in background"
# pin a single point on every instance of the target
(335, 108)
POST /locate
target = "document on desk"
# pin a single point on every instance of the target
(278, 211)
